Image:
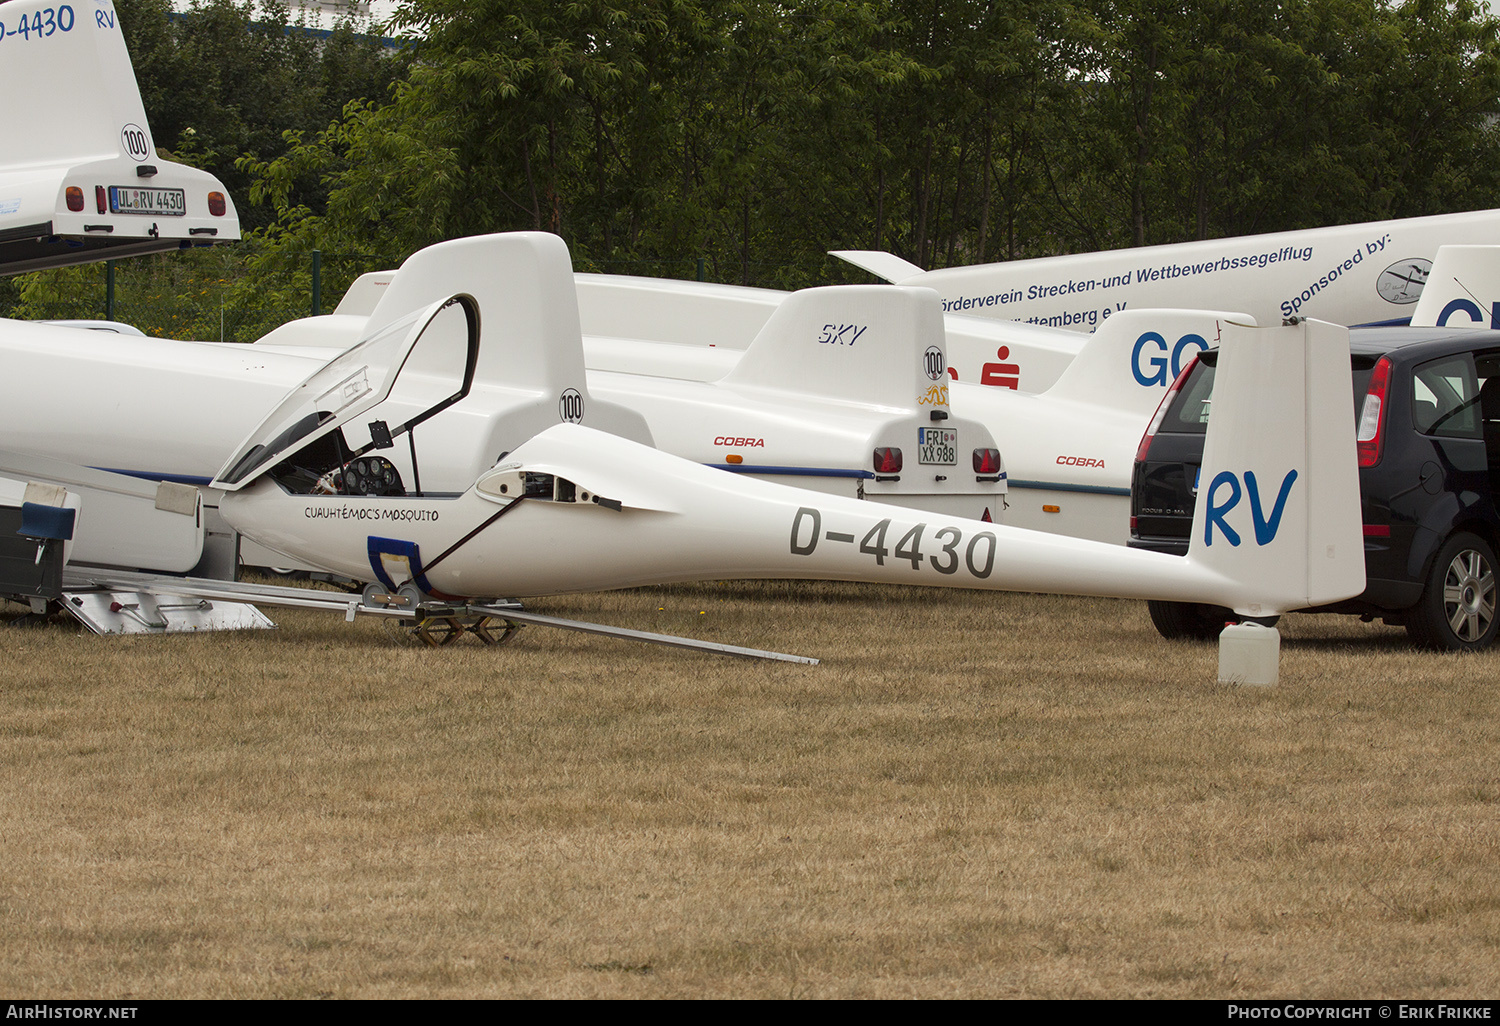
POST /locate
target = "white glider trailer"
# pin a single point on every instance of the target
(80, 176)
(1017, 325)
(1354, 274)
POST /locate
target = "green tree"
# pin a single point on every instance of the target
(222, 79)
(1228, 117)
(749, 136)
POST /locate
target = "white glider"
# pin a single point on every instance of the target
(573, 509)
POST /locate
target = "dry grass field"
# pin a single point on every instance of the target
(973, 795)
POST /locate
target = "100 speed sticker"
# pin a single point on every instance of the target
(945, 549)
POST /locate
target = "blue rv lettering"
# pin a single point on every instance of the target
(1265, 527)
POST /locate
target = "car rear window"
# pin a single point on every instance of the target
(1188, 414)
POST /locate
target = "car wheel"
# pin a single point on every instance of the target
(1188, 621)
(1457, 609)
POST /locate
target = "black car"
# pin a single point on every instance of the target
(1427, 407)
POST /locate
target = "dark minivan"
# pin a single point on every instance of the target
(1427, 407)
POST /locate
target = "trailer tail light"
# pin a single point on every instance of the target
(1161, 411)
(75, 198)
(987, 461)
(1371, 436)
(888, 461)
(101, 200)
(216, 205)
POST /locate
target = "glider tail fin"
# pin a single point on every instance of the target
(1278, 507)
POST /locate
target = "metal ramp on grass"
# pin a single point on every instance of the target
(124, 602)
(116, 611)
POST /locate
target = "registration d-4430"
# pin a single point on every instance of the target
(937, 445)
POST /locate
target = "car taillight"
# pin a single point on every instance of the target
(75, 198)
(986, 461)
(888, 461)
(216, 205)
(100, 201)
(1371, 435)
(1161, 410)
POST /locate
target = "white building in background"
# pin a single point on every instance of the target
(326, 13)
(323, 15)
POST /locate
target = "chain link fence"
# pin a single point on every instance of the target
(206, 296)
(236, 294)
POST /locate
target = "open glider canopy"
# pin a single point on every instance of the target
(417, 366)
